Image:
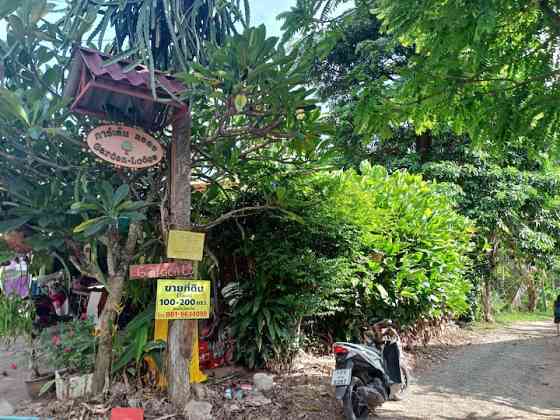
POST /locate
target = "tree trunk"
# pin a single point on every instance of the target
(487, 300)
(543, 290)
(487, 293)
(180, 339)
(105, 341)
(424, 145)
(531, 293)
(516, 301)
(118, 259)
(529, 278)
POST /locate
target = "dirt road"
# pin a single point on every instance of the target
(510, 373)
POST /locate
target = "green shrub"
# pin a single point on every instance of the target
(352, 248)
(72, 347)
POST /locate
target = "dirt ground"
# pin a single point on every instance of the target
(510, 373)
(502, 374)
(13, 371)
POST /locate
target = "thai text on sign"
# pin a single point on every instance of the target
(185, 245)
(125, 146)
(183, 299)
(155, 271)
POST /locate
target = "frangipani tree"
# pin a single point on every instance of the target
(249, 115)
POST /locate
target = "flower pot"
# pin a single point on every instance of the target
(35, 385)
(73, 386)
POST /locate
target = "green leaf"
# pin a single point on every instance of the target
(140, 342)
(12, 224)
(92, 230)
(46, 386)
(120, 194)
(107, 194)
(155, 345)
(132, 205)
(8, 6)
(240, 101)
(133, 216)
(126, 358)
(11, 107)
(125, 55)
(39, 9)
(143, 318)
(81, 207)
(382, 291)
(88, 224)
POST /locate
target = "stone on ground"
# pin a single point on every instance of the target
(263, 382)
(198, 410)
(199, 390)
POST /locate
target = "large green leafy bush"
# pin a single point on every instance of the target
(357, 247)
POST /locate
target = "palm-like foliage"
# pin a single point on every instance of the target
(163, 34)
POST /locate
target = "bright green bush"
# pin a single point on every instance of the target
(353, 248)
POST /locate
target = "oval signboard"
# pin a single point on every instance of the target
(125, 146)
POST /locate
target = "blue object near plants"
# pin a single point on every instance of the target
(24, 418)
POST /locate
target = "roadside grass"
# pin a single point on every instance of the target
(508, 318)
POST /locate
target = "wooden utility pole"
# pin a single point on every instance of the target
(181, 332)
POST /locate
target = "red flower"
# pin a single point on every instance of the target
(56, 340)
(13, 366)
(67, 350)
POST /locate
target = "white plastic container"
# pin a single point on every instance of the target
(72, 387)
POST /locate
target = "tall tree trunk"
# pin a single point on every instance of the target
(531, 292)
(516, 300)
(487, 299)
(105, 341)
(487, 292)
(529, 279)
(118, 259)
(544, 277)
(424, 145)
(180, 339)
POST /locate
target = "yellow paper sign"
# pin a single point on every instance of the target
(183, 299)
(185, 245)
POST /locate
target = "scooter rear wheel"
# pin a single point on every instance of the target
(355, 406)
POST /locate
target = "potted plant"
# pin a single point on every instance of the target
(16, 320)
(70, 349)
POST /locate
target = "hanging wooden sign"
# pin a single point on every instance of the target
(185, 245)
(156, 271)
(125, 146)
(183, 299)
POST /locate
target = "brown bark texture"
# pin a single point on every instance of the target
(105, 340)
(487, 292)
(180, 331)
(118, 260)
(487, 300)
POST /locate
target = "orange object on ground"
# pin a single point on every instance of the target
(127, 414)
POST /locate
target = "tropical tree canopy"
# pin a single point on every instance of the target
(485, 68)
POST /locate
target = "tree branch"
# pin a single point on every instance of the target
(260, 146)
(243, 212)
(134, 233)
(86, 269)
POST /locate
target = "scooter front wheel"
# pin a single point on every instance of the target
(355, 405)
